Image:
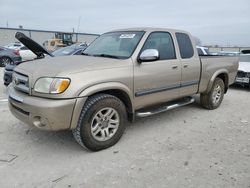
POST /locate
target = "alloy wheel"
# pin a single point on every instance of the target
(217, 93)
(104, 124)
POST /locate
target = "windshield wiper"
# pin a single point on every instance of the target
(106, 55)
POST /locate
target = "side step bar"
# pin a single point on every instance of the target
(164, 107)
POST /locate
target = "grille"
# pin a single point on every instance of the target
(21, 82)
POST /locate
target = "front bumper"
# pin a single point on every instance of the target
(46, 114)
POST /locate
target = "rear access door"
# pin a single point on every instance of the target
(190, 65)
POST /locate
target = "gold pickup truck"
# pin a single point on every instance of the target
(122, 74)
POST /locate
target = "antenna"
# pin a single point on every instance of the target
(79, 22)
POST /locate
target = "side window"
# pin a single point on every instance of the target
(185, 45)
(162, 41)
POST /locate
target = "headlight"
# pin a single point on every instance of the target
(51, 85)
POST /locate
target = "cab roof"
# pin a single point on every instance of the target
(150, 29)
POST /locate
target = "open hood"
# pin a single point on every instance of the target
(32, 45)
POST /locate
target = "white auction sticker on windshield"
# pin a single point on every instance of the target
(127, 36)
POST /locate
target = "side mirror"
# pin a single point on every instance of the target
(149, 55)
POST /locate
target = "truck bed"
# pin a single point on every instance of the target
(210, 64)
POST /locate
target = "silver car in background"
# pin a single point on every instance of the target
(8, 56)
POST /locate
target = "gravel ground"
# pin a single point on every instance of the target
(185, 147)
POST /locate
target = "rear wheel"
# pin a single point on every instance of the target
(214, 97)
(4, 61)
(101, 123)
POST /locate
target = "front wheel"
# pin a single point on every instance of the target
(101, 123)
(4, 61)
(214, 97)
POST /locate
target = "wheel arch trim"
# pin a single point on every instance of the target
(105, 86)
(217, 74)
(116, 89)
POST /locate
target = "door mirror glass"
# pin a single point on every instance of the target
(149, 55)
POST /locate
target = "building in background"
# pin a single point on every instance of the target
(215, 49)
(7, 35)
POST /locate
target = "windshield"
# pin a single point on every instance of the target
(64, 51)
(115, 44)
(245, 58)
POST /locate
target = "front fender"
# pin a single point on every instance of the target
(97, 88)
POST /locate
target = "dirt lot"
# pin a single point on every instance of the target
(185, 147)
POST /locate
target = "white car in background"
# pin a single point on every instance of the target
(24, 52)
(229, 53)
(202, 50)
(243, 75)
(14, 45)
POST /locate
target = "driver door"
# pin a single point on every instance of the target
(157, 81)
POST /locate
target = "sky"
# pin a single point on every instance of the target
(221, 22)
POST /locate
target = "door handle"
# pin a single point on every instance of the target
(185, 66)
(174, 67)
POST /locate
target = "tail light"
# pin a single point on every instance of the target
(16, 52)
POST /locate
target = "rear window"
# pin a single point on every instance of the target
(185, 45)
(24, 48)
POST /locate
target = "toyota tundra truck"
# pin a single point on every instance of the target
(123, 74)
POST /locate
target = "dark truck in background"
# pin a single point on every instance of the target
(123, 74)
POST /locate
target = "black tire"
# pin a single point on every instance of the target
(82, 133)
(207, 101)
(5, 60)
